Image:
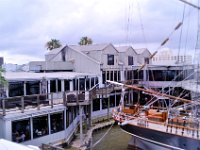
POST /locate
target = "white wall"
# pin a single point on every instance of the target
(81, 62)
(110, 50)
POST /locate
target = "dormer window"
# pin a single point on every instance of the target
(146, 60)
(130, 60)
(110, 59)
(63, 55)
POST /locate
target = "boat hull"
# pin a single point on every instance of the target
(163, 139)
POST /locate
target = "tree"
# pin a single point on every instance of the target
(85, 41)
(2, 79)
(3, 82)
(54, 43)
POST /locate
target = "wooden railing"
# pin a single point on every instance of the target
(40, 100)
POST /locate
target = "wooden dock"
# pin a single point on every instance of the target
(88, 136)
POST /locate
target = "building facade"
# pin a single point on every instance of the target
(169, 57)
(105, 60)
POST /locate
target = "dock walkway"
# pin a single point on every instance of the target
(87, 137)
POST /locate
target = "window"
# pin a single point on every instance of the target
(112, 101)
(82, 84)
(119, 77)
(111, 75)
(21, 130)
(63, 55)
(130, 60)
(75, 84)
(57, 122)
(40, 126)
(96, 104)
(59, 85)
(92, 82)
(110, 59)
(104, 103)
(32, 87)
(67, 85)
(87, 83)
(96, 80)
(118, 97)
(69, 116)
(146, 60)
(16, 89)
(52, 85)
(115, 75)
(103, 77)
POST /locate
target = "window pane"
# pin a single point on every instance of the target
(112, 101)
(32, 87)
(16, 89)
(110, 59)
(82, 84)
(118, 97)
(96, 104)
(57, 122)
(67, 85)
(115, 75)
(21, 130)
(53, 86)
(69, 116)
(59, 85)
(146, 60)
(87, 84)
(92, 82)
(104, 103)
(40, 126)
(130, 60)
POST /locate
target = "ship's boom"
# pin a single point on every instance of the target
(152, 92)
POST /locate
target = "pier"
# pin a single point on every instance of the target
(88, 136)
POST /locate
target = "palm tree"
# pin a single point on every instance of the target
(54, 43)
(85, 41)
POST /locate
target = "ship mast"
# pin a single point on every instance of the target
(186, 2)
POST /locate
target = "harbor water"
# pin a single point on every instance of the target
(115, 139)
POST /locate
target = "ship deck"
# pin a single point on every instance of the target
(187, 131)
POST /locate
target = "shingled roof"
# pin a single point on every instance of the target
(141, 50)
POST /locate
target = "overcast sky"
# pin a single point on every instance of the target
(26, 25)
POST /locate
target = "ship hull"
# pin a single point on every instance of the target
(141, 144)
(163, 139)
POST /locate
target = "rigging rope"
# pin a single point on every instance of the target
(97, 142)
(180, 37)
(141, 23)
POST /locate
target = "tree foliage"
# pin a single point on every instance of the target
(2, 79)
(53, 43)
(3, 82)
(85, 41)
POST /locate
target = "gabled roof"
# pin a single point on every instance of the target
(122, 49)
(55, 51)
(141, 50)
(87, 48)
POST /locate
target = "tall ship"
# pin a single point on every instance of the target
(163, 115)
